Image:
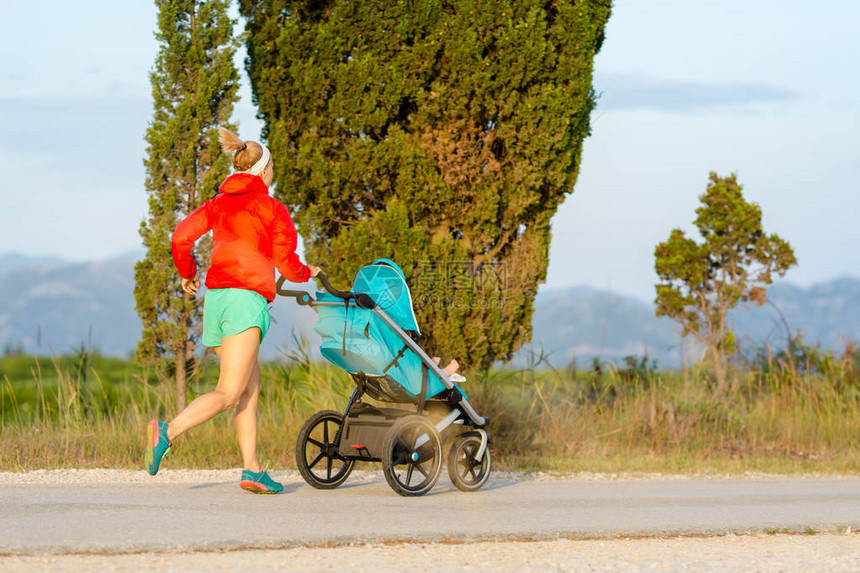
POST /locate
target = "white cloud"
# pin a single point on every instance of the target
(641, 92)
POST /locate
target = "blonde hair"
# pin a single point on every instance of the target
(245, 153)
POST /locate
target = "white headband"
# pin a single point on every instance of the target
(260, 165)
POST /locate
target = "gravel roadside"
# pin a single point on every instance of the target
(829, 551)
(784, 553)
(106, 476)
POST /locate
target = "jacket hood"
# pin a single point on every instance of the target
(243, 183)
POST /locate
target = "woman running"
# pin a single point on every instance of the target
(252, 233)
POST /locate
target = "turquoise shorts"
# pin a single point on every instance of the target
(229, 311)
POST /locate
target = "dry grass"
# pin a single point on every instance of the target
(777, 420)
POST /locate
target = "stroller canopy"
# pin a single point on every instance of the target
(386, 284)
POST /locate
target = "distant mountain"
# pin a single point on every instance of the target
(828, 313)
(51, 305)
(588, 323)
(12, 261)
(60, 307)
(583, 323)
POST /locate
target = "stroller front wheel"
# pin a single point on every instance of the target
(467, 473)
(412, 456)
(317, 455)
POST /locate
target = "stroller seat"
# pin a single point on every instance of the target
(357, 340)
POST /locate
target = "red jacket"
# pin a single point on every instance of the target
(252, 234)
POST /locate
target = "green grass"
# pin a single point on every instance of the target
(90, 412)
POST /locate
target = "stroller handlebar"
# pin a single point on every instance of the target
(331, 290)
(304, 298)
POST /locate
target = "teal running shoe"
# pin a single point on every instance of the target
(157, 445)
(259, 482)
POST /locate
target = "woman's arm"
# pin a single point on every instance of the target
(284, 242)
(187, 232)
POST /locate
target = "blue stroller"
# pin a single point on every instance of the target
(371, 332)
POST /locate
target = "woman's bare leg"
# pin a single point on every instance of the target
(246, 421)
(238, 355)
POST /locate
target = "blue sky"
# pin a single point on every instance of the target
(764, 88)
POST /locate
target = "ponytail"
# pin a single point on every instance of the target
(245, 153)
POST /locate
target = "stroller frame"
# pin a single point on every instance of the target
(403, 440)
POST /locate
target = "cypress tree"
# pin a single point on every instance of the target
(441, 134)
(194, 85)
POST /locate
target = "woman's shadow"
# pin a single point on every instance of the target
(288, 487)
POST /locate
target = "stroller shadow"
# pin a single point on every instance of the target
(442, 487)
(489, 486)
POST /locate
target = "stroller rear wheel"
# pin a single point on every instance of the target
(317, 455)
(412, 456)
(465, 471)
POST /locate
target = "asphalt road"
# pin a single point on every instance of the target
(216, 514)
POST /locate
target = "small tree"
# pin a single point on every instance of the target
(701, 282)
(194, 84)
